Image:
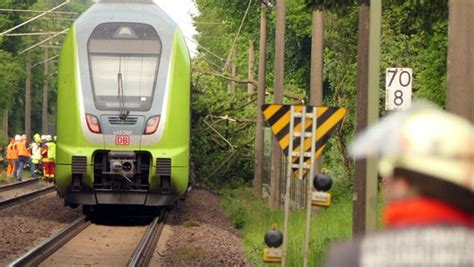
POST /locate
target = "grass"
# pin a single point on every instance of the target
(252, 216)
(5, 180)
(192, 223)
(188, 254)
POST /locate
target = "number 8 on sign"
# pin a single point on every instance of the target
(398, 86)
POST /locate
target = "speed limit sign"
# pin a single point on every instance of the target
(398, 88)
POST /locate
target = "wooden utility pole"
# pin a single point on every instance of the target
(5, 123)
(251, 62)
(232, 83)
(373, 111)
(28, 97)
(316, 96)
(368, 64)
(368, 80)
(317, 61)
(358, 204)
(44, 125)
(460, 97)
(259, 136)
(278, 98)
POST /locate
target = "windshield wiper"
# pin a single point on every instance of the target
(121, 97)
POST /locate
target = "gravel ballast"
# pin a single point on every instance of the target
(25, 225)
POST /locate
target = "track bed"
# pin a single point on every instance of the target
(99, 245)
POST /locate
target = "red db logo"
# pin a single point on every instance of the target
(122, 140)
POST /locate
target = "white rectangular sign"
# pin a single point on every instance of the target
(398, 88)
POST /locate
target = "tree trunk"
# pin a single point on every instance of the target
(259, 137)
(232, 84)
(28, 97)
(5, 123)
(460, 96)
(44, 126)
(251, 62)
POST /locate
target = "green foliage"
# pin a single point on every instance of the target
(12, 69)
(414, 34)
(222, 133)
(328, 225)
(235, 211)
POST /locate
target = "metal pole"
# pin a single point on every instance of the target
(359, 204)
(288, 186)
(460, 97)
(259, 137)
(278, 94)
(309, 185)
(373, 108)
(44, 125)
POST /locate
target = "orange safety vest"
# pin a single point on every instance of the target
(21, 147)
(12, 153)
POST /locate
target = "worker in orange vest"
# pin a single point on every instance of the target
(12, 157)
(17, 160)
(23, 156)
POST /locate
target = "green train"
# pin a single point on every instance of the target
(123, 108)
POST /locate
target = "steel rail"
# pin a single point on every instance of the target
(41, 252)
(11, 186)
(144, 251)
(13, 201)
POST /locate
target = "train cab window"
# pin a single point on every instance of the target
(124, 60)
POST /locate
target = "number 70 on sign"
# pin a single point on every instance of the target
(398, 88)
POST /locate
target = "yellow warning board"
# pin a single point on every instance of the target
(278, 117)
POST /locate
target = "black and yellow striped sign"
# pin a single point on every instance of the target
(278, 116)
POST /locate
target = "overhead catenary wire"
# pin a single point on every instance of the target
(205, 49)
(44, 41)
(45, 61)
(237, 35)
(36, 11)
(30, 33)
(34, 18)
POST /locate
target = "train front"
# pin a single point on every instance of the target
(123, 107)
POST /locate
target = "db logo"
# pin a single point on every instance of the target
(122, 140)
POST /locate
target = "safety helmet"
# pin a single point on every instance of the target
(17, 137)
(43, 138)
(23, 137)
(37, 138)
(48, 138)
(429, 146)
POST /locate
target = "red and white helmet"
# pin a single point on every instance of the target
(433, 148)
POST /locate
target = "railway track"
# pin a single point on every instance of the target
(86, 243)
(16, 193)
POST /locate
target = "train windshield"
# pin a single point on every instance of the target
(124, 60)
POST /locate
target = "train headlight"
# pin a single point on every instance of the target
(93, 123)
(152, 124)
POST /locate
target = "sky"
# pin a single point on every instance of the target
(181, 11)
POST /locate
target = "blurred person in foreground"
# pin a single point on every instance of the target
(426, 160)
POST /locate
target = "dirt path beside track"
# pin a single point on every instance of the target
(199, 234)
